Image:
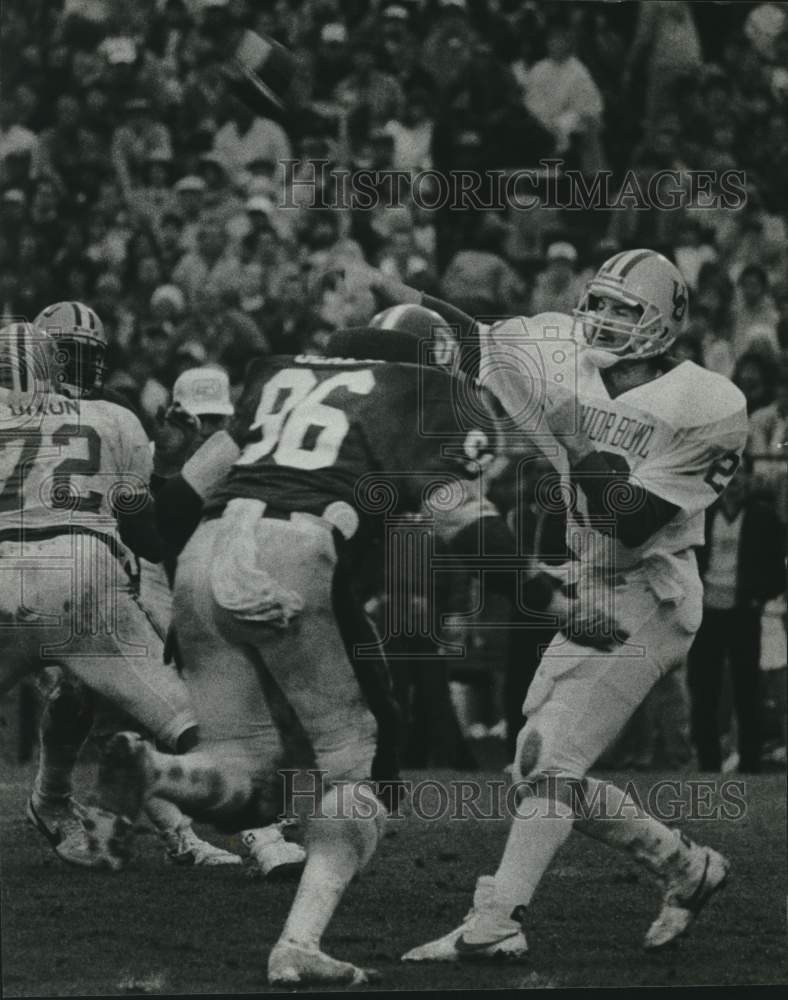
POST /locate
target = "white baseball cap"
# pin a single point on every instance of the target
(204, 390)
(561, 251)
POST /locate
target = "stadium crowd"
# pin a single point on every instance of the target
(131, 178)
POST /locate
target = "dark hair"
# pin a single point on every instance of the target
(756, 271)
(767, 369)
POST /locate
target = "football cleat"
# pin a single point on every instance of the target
(686, 893)
(104, 841)
(486, 933)
(273, 857)
(291, 964)
(125, 773)
(184, 848)
(55, 821)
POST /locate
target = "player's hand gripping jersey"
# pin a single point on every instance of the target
(68, 464)
(679, 436)
(351, 440)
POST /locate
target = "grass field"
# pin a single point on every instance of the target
(158, 929)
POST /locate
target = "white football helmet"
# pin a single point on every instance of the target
(25, 360)
(644, 280)
(81, 345)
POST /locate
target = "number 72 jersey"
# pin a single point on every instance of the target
(69, 463)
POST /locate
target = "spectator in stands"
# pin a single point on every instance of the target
(15, 138)
(210, 265)
(229, 336)
(139, 135)
(220, 199)
(367, 87)
(412, 130)
(290, 316)
(691, 252)
(557, 287)
(244, 138)
(769, 444)
(716, 351)
(478, 278)
(400, 257)
(322, 243)
(743, 566)
(754, 313)
(116, 314)
(666, 42)
(561, 94)
(155, 196)
(753, 236)
(754, 375)
(190, 191)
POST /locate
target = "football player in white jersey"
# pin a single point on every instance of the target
(74, 512)
(644, 447)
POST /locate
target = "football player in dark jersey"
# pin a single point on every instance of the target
(321, 451)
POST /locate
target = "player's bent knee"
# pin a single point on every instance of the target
(542, 771)
(351, 812)
(352, 762)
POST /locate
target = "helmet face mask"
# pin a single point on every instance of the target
(81, 344)
(634, 307)
(79, 367)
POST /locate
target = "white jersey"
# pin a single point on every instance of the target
(68, 464)
(679, 436)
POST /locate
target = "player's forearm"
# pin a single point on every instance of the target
(180, 499)
(618, 505)
(138, 531)
(467, 327)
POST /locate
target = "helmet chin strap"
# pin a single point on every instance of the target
(601, 359)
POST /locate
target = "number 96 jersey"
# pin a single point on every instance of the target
(352, 440)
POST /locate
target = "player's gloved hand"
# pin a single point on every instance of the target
(587, 623)
(176, 437)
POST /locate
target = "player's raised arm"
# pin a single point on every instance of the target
(180, 495)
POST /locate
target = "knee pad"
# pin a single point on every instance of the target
(353, 761)
(542, 769)
(352, 812)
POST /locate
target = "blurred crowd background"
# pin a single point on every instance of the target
(132, 179)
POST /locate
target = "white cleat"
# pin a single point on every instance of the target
(55, 821)
(291, 964)
(686, 894)
(488, 932)
(274, 857)
(185, 848)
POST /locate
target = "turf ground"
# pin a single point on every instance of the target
(158, 929)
